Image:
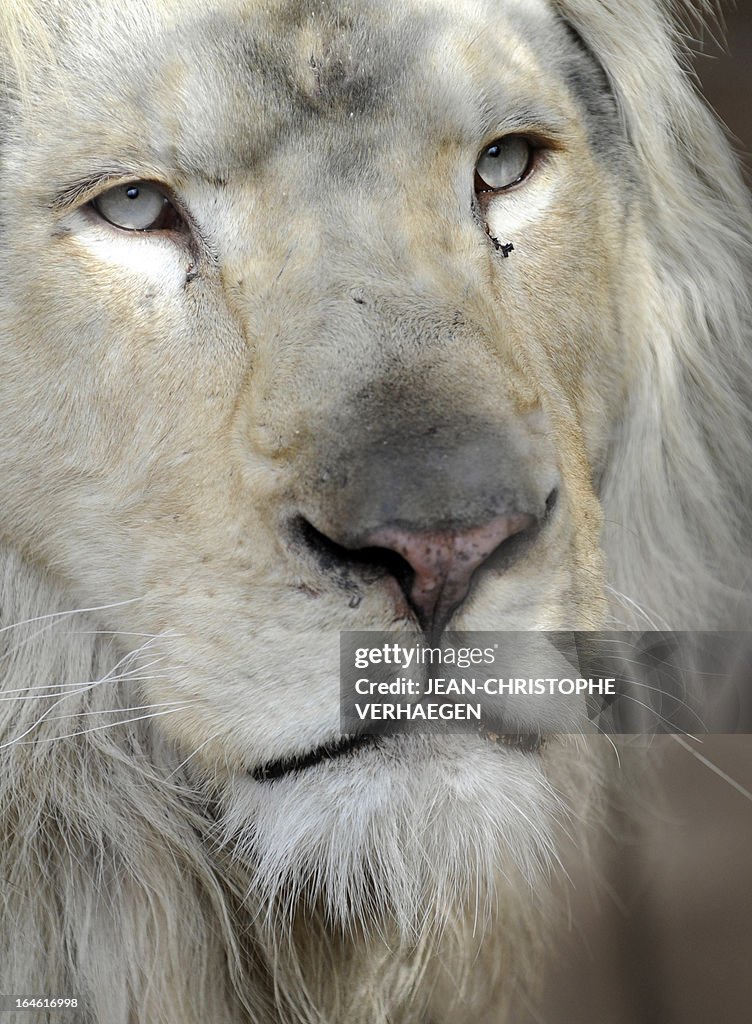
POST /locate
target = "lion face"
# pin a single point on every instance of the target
(316, 318)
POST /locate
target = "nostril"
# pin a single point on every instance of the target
(551, 502)
(336, 559)
(433, 568)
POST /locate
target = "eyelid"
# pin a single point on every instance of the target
(539, 138)
(536, 138)
(83, 190)
(551, 128)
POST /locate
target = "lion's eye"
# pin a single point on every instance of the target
(504, 163)
(137, 206)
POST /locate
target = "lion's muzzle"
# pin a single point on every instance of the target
(425, 511)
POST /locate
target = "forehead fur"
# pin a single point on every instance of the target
(225, 81)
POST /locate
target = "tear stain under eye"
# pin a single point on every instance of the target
(505, 248)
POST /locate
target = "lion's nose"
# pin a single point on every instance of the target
(425, 508)
(443, 562)
(431, 569)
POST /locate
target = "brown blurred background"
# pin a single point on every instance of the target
(659, 929)
(725, 69)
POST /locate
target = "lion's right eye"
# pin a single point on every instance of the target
(137, 206)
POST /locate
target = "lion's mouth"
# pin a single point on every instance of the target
(299, 762)
(526, 743)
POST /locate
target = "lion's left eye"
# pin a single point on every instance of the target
(137, 206)
(504, 163)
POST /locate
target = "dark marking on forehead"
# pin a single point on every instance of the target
(285, 70)
(321, 58)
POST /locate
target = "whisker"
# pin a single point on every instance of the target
(71, 689)
(124, 711)
(602, 732)
(677, 701)
(193, 754)
(656, 714)
(69, 612)
(125, 632)
(713, 767)
(82, 688)
(106, 678)
(650, 616)
(85, 732)
(130, 655)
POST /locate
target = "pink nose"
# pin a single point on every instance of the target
(444, 561)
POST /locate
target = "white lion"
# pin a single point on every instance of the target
(322, 315)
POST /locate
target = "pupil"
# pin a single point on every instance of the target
(493, 151)
(132, 192)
